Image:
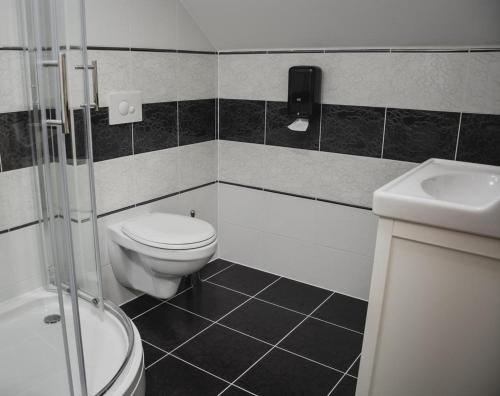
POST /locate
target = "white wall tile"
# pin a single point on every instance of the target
(345, 228)
(18, 197)
(359, 79)
(289, 216)
(114, 184)
(243, 206)
(154, 73)
(336, 177)
(323, 244)
(353, 179)
(12, 84)
(203, 201)
(243, 76)
(427, 81)
(482, 94)
(20, 262)
(317, 265)
(241, 163)
(289, 170)
(240, 244)
(156, 174)
(197, 76)
(197, 164)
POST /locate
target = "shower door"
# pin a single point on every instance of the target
(62, 88)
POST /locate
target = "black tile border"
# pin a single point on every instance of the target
(18, 227)
(141, 49)
(275, 51)
(295, 195)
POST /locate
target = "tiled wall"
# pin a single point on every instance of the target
(382, 113)
(400, 107)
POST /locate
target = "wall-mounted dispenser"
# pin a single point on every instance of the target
(304, 95)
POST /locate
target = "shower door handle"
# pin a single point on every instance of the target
(95, 82)
(66, 115)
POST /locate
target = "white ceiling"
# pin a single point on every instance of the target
(267, 24)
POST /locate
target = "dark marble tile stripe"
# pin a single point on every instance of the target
(277, 133)
(353, 130)
(15, 140)
(242, 120)
(158, 129)
(417, 135)
(479, 139)
(109, 141)
(196, 121)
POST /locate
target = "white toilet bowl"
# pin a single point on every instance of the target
(152, 252)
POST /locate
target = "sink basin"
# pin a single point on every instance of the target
(449, 194)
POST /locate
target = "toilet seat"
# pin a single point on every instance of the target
(169, 231)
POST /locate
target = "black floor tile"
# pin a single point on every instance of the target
(281, 373)
(151, 354)
(209, 300)
(214, 267)
(244, 279)
(172, 377)
(222, 352)
(167, 327)
(262, 320)
(295, 295)
(354, 369)
(325, 343)
(139, 305)
(345, 311)
(346, 387)
(234, 391)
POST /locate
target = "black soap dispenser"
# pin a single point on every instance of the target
(304, 91)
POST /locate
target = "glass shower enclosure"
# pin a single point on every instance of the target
(67, 330)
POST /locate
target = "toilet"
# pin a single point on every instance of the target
(152, 252)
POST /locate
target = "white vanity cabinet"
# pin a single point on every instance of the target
(433, 323)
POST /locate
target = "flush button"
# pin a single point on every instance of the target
(123, 108)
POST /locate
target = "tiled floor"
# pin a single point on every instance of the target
(243, 331)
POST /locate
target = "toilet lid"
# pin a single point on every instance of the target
(169, 231)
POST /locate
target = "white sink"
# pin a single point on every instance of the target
(449, 194)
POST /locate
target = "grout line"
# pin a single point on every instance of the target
(341, 378)
(218, 272)
(383, 134)
(276, 345)
(458, 135)
(214, 323)
(320, 124)
(265, 122)
(288, 309)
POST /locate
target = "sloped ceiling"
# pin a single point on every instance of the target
(268, 24)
